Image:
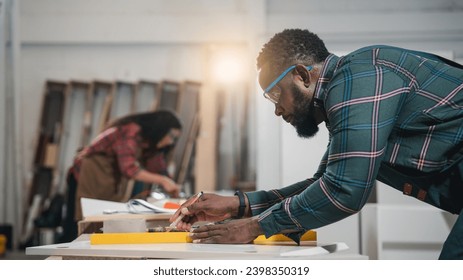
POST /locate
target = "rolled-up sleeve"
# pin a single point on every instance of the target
(270, 205)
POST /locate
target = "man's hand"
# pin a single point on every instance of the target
(240, 231)
(210, 208)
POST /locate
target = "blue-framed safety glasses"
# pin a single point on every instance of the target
(273, 92)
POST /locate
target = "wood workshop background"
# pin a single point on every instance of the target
(213, 45)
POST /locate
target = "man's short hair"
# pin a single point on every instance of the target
(292, 46)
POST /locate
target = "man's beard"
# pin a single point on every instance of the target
(304, 121)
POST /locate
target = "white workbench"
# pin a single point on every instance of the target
(82, 249)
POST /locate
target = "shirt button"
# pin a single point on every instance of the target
(407, 189)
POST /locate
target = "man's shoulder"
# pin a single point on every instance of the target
(370, 50)
(369, 56)
(393, 53)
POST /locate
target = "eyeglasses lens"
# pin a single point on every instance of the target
(273, 95)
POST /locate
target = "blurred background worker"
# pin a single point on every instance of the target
(134, 147)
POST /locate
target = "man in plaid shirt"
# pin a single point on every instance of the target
(393, 115)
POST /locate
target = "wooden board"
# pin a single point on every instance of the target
(123, 100)
(188, 111)
(73, 133)
(170, 95)
(147, 96)
(99, 106)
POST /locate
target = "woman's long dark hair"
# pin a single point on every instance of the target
(154, 126)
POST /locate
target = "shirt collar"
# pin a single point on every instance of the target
(327, 72)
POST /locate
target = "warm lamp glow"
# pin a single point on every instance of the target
(228, 67)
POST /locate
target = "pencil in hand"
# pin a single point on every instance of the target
(182, 215)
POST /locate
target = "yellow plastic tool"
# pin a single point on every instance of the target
(2, 244)
(177, 237)
(139, 238)
(308, 236)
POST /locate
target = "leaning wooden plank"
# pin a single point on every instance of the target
(147, 96)
(188, 153)
(71, 139)
(170, 95)
(99, 107)
(188, 109)
(46, 154)
(123, 99)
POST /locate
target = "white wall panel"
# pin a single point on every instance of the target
(103, 62)
(140, 21)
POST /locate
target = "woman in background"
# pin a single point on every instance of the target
(133, 147)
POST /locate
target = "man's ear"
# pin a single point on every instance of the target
(302, 71)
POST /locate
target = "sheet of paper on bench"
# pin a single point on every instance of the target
(91, 207)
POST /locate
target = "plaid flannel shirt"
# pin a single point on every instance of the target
(124, 144)
(383, 105)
